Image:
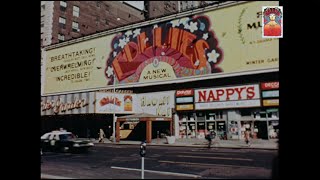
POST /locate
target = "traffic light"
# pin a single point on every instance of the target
(143, 148)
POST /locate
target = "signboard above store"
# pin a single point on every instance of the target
(228, 97)
(270, 85)
(271, 102)
(274, 93)
(186, 92)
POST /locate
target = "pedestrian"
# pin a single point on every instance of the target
(101, 136)
(247, 137)
(211, 135)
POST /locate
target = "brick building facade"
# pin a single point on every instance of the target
(65, 20)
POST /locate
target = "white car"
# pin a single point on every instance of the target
(63, 141)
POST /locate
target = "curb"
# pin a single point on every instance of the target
(48, 176)
(196, 146)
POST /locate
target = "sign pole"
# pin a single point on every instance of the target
(142, 167)
(114, 118)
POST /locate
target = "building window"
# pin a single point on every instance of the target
(97, 20)
(75, 27)
(42, 24)
(61, 37)
(62, 22)
(63, 5)
(76, 11)
(98, 4)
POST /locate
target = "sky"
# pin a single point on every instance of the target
(137, 4)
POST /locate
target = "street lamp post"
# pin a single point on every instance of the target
(114, 116)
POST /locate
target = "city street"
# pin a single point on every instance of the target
(109, 161)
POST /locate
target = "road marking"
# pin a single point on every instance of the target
(211, 153)
(212, 148)
(240, 159)
(57, 155)
(48, 176)
(159, 172)
(207, 164)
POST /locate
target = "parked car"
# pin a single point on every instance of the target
(63, 141)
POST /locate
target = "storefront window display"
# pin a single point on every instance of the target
(201, 126)
(187, 125)
(273, 123)
(197, 125)
(191, 130)
(273, 129)
(211, 126)
(246, 126)
(233, 130)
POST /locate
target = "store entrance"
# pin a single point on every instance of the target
(221, 130)
(260, 128)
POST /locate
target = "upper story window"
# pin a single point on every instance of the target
(62, 22)
(63, 5)
(76, 11)
(98, 4)
(60, 37)
(75, 27)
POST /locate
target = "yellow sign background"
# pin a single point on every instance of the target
(271, 102)
(243, 47)
(59, 79)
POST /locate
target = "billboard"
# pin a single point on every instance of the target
(226, 40)
(228, 97)
(79, 103)
(107, 103)
(156, 103)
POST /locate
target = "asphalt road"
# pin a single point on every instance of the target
(108, 161)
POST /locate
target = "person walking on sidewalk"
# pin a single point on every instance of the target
(211, 135)
(247, 137)
(101, 136)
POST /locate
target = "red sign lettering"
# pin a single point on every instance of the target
(230, 93)
(186, 92)
(270, 85)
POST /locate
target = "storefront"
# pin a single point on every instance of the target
(145, 120)
(270, 102)
(228, 111)
(73, 112)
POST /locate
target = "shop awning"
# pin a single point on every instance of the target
(143, 117)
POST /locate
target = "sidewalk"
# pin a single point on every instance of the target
(255, 143)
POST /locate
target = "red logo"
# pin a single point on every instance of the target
(186, 92)
(270, 85)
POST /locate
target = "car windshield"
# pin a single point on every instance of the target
(66, 136)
